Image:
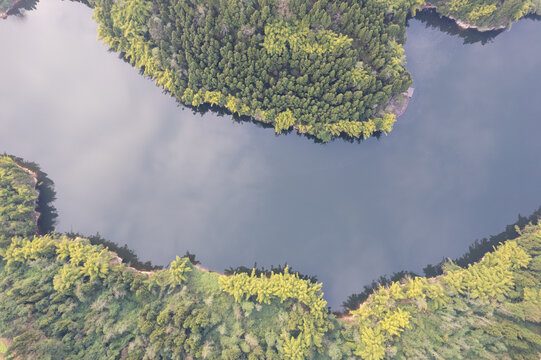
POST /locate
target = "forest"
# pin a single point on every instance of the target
(324, 68)
(63, 296)
(488, 14)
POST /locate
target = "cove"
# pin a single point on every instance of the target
(129, 163)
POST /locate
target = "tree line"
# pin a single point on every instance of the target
(326, 68)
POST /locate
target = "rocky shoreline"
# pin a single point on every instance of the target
(399, 104)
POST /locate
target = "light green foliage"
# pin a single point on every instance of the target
(354, 129)
(532, 296)
(22, 250)
(455, 5)
(371, 346)
(395, 322)
(66, 278)
(482, 11)
(493, 275)
(284, 121)
(281, 36)
(92, 261)
(286, 287)
(3, 347)
(85, 260)
(303, 64)
(379, 319)
(385, 124)
(293, 348)
(428, 311)
(178, 270)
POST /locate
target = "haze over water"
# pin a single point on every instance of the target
(132, 165)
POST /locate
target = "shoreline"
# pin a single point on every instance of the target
(344, 316)
(465, 26)
(460, 23)
(399, 104)
(37, 215)
(117, 260)
(34, 176)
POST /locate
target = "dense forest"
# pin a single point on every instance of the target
(326, 68)
(18, 201)
(61, 297)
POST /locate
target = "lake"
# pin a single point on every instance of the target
(131, 164)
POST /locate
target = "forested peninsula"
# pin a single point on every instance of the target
(63, 298)
(323, 68)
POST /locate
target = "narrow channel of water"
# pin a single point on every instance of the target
(129, 163)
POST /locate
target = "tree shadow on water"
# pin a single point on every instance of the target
(47, 195)
(433, 20)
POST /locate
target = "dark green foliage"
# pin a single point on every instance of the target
(71, 309)
(18, 200)
(327, 68)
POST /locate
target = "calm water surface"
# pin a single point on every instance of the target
(132, 165)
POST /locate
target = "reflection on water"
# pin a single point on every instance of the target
(131, 164)
(433, 20)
